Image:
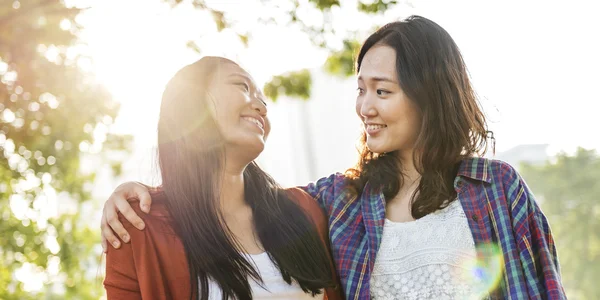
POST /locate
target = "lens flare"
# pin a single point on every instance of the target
(485, 272)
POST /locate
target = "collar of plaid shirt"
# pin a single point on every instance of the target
(511, 234)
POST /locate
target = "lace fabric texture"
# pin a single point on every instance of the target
(430, 258)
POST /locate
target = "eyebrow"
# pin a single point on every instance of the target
(379, 78)
(241, 76)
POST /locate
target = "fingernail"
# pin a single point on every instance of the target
(140, 225)
(125, 238)
(145, 208)
(116, 244)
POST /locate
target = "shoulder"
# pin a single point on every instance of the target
(133, 266)
(503, 180)
(493, 171)
(308, 204)
(158, 220)
(507, 177)
(304, 200)
(157, 237)
(502, 168)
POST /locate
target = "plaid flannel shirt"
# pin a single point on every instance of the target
(502, 215)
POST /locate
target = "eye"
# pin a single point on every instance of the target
(243, 85)
(381, 92)
(360, 91)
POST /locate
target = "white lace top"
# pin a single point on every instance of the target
(427, 258)
(274, 286)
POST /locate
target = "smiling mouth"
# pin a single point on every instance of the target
(373, 127)
(255, 122)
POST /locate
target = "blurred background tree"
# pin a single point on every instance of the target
(55, 132)
(568, 189)
(52, 116)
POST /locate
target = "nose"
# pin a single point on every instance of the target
(365, 107)
(259, 104)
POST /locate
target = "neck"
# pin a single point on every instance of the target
(410, 174)
(232, 188)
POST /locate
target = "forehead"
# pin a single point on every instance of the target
(228, 70)
(379, 61)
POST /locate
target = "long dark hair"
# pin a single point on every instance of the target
(191, 159)
(432, 73)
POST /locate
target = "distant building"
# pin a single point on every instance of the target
(533, 154)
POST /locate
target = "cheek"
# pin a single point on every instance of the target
(402, 114)
(228, 108)
(416, 122)
(267, 128)
(412, 123)
(357, 106)
(226, 123)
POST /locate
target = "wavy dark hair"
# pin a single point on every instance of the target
(191, 159)
(432, 73)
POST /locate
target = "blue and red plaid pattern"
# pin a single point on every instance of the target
(502, 214)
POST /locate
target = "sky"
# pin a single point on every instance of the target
(534, 63)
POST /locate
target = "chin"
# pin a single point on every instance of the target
(376, 148)
(254, 146)
(251, 146)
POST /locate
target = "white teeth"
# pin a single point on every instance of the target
(255, 121)
(375, 127)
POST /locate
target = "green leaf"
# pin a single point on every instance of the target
(341, 63)
(378, 6)
(192, 45)
(325, 4)
(293, 84)
(219, 18)
(244, 39)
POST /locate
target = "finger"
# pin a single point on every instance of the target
(117, 226)
(103, 243)
(143, 195)
(103, 240)
(125, 208)
(108, 234)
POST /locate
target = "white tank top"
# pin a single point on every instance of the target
(274, 285)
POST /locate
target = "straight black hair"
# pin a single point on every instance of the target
(191, 159)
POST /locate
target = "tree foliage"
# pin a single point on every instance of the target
(52, 115)
(294, 84)
(376, 6)
(569, 190)
(339, 63)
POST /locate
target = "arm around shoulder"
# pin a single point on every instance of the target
(324, 189)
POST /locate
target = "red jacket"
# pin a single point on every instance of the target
(153, 264)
